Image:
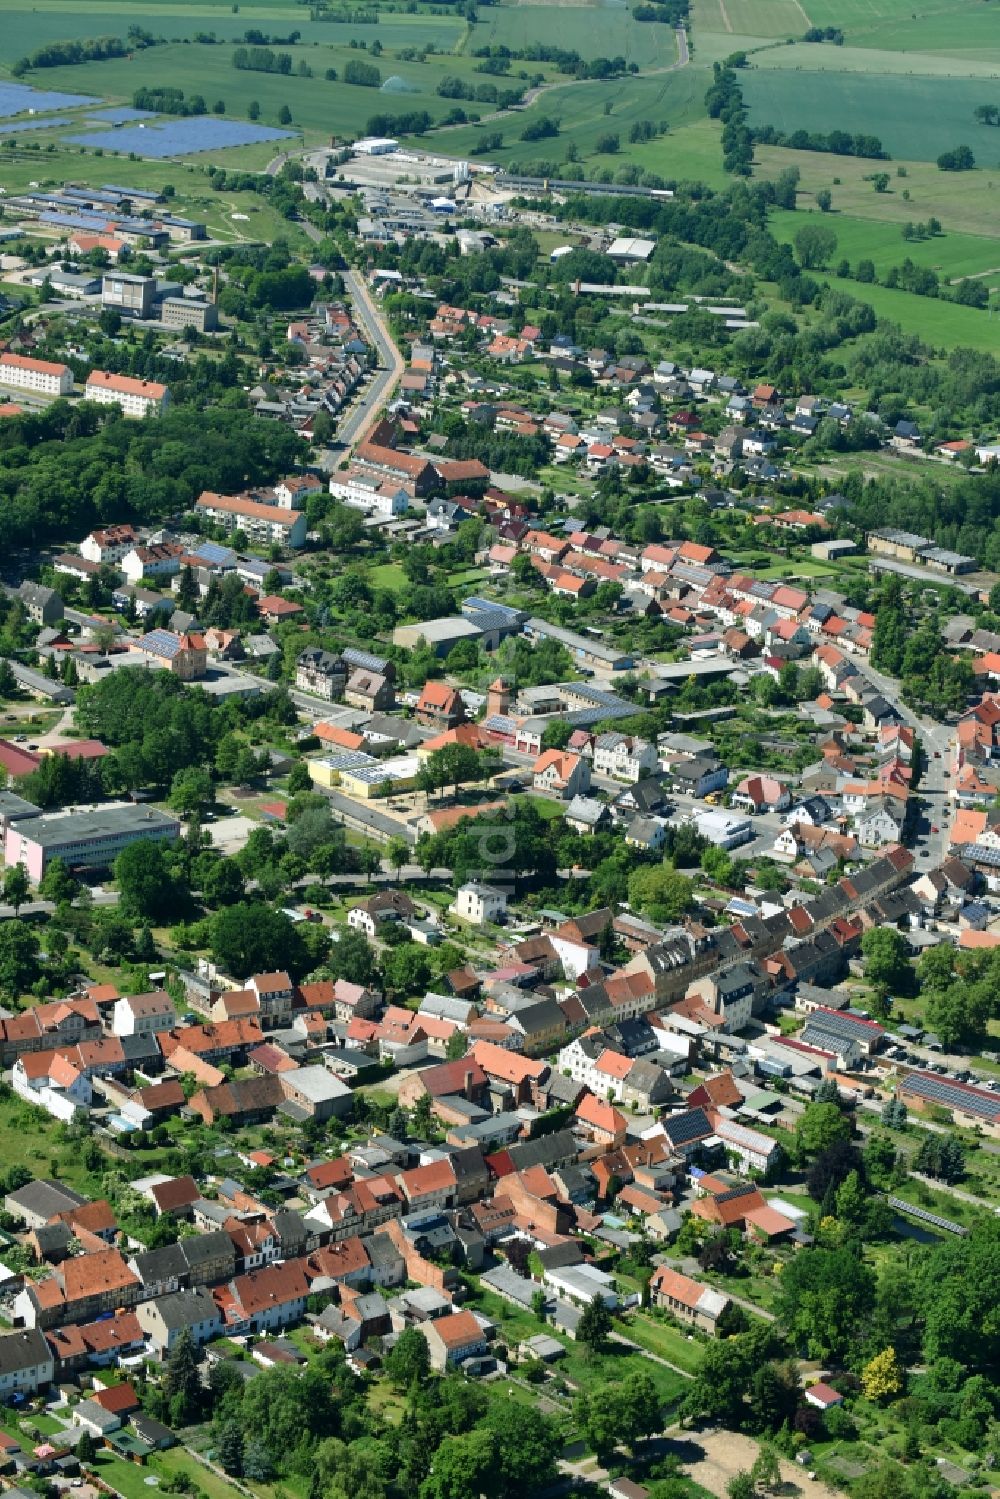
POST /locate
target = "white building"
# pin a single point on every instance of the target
(51, 1081)
(260, 523)
(161, 560)
(143, 1014)
(137, 398)
(623, 758)
(381, 498)
(479, 903)
(38, 375)
(723, 829)
(109, 545)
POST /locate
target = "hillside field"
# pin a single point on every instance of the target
(951, 255)
(914, 118)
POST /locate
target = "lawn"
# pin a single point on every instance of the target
(127, 1478)
(388, 575)
(666, 1340)
(915, 118)
(580, 1368)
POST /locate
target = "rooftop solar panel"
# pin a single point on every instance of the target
(160, 643)
(952, 1095)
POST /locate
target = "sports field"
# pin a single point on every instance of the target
(915, 118)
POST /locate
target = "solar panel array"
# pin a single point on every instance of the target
(693, 1124)
(15, 98)
(182, 137)
(34, 124)
(364, 660)
(124, 115)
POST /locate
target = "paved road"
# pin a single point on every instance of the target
(391, 364)
(938, 743)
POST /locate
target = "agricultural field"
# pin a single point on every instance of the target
(24, 28)
(915, 118)
(318, 107)
(594, 30)
(943, 325)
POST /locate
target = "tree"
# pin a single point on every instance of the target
(766, 1470)
(187, 590)
(57, 884)
(527, 1445)
(258, 1465)
(16, 886)
(251, 938)
(229, 1447)
(284, 115)
(742, 1485)
(181, 1380)
(886, 952)
(826, 1296)
(820, 1126)
(353, 958)
(824, 200)
(595, 1325)
(398, 854)
(86, 1447)
(814, 245)
(145, 882)
(18, 957)
(882, 1376)
(661, 892)
(539, 1303)
(191, 792)
(463, 1466)
(408, 1361)
(407, 969)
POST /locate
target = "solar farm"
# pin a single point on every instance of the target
(183, 137)
(17, 98)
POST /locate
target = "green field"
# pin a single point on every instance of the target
(24, 28)
(586, 111)
(951, 255)
(318, 108)
(915, 118)
(940, 324)
(964, 202)
(591, 30)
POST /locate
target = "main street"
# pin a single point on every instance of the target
(937, 740)
(375, 396)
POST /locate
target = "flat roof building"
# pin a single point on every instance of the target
(83, 839)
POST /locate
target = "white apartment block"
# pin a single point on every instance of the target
(137, 398)
(37, 375)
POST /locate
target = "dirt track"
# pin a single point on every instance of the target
(726, 1452)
